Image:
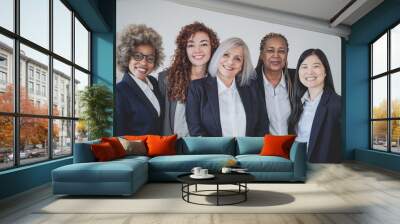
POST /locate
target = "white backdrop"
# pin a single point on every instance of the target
(167, 18)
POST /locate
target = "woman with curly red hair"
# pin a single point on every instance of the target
(195, 45)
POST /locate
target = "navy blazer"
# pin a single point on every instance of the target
(261, 91)
(135, 115)
(202, 109)
(325, 142)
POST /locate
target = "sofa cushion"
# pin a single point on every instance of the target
(112, 171)
(103, 151)
(249, 145)
(208, 145)
(83, 152)
(116, 145)
(277, 145)
(257, 163)
(161, 145)
(185, 163)
(134, 147)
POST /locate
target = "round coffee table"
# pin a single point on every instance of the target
(238, 179)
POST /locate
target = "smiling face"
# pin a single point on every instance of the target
(231, 63)
(275, 54)
(142, 68)
(198, 49)
(312, 72)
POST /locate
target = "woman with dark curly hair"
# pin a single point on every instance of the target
(195, 45)
(139, 107)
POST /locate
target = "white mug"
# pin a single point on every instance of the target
(226, 170)
(203, 172)
(196, 170)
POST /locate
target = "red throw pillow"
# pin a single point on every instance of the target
(103, 151)
(277, 145)
(116, 145)
(161, 145)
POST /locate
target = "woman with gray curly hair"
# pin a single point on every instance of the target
(226, 103)
(138, 100)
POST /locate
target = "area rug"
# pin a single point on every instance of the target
(167, 198)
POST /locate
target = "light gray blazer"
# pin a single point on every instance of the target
(170, 105)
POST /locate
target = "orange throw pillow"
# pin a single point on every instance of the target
(116, 145)
(103, 151)
(161, 145)
(136, 137)
(277, 145)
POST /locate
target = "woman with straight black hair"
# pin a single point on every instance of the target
(316, 108)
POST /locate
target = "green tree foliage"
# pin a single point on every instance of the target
(97, 102)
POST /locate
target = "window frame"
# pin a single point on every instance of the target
(16, 115)
(388, 74)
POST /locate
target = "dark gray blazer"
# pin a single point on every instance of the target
(169, 105)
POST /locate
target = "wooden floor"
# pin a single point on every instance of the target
(377, 188)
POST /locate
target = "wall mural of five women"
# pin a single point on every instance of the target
(212, 89)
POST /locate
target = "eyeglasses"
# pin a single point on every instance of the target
(137, 56)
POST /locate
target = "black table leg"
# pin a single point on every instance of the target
(217, 194)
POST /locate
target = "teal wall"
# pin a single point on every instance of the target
(99, 16)
(356, 84)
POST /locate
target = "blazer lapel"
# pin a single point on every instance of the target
(319, 118)
(246, 104)
(140, 94)
(212, 92)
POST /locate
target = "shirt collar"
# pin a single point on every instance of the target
(282, 82)
(222, 87)
(306, 97)
(141, 83)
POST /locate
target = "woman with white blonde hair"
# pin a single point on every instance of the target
(226, 102)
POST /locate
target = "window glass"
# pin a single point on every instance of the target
(7, 14)
(35, 21)
(379, 135)
(395, 47)
(81, 131)
(6, 142)
(81, 45)
(39, 62)
(62, 138)
(379, 100)
(395, 95)
(81, 81)
(33, 140)
(62, 29)
(6, 74)
(395, 136)
(379, 56)
(62, 91)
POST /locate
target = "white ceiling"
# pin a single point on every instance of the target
(314, 15)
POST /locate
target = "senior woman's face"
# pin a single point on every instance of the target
(142, 61)
(275, 54)
(198, 49)
(231, 63)
(312, 72)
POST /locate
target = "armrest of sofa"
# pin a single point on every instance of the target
(83, 152)
(299, 159)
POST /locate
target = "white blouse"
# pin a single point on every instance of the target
(278, 106)
(147, 89)
(231, 110)
(307, 117)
